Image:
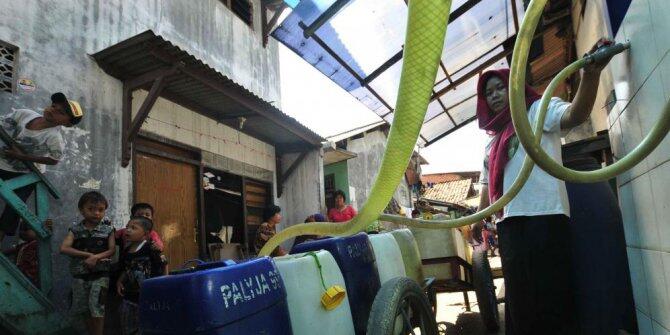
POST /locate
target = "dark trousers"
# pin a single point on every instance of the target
(9, 220)
(536, 259)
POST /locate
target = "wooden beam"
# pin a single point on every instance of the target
(268, 25)
(283, 176)
(126, 115)
(148, 77)
(144, 110)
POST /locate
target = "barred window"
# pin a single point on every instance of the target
(7, 59)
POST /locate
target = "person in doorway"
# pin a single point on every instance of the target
(341, 212)
(268, 229)
(90, 244)
(533, 228)
(39, 140)
(145, 210)
(139, 261)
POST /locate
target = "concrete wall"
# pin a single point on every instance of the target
(54, 40)
(363, 169)
(641, 80)
(303, 191)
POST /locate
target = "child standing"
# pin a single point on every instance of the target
(40, 140)
(139, 261)
(147, 211)
(90, 244)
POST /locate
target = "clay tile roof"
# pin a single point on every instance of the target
(452, 191)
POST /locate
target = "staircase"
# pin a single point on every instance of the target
(24, 308)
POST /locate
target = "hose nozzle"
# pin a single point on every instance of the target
(606, 52)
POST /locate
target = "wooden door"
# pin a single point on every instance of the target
(171, 188)
(256, 198)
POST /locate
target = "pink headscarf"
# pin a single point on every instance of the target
(499, 125)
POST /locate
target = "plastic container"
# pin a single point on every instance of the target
(410, 254)
(217, 298)
(304, 288)
(356, 260)
(603, 292)
(436, 243)
(389, 258)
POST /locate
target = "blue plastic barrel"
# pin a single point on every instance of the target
(217, 298)
(603, 291)
(356, 260)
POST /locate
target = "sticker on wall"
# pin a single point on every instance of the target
(27, 85)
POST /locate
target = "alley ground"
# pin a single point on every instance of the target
(458, 321)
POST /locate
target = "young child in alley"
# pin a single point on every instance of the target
(147, 211)
(90, 244)
(139, 261)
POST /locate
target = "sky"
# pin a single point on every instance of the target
(321, 105)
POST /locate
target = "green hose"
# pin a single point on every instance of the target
(424, 40)
(522, 126)
(426, 28)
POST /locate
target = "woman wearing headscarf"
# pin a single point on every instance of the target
(533, 229)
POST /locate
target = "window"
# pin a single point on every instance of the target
(7, 59)
(241, 8)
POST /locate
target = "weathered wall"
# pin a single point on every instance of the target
(303, 189)
(363, 169)
(641, 80)
(55, 39)
(175, 122)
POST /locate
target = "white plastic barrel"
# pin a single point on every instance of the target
(388, 256)
(410, 254)
(304, 290)
(436, 243)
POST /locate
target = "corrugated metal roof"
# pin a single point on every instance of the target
(203, 89)
(453, 191)
(353, 132)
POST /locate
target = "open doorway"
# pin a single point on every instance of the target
(224, 208)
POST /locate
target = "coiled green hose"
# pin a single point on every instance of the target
(426, 28)
(518, 108)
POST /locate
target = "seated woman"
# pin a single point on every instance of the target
(268, 229)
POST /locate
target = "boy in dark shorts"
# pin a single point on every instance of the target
(139, 261)
(40, 140)
(90, 244)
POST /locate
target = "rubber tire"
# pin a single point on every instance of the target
(391, 294)
(485, 290)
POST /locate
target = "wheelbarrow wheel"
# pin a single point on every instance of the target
(401, 307)
(486, 294)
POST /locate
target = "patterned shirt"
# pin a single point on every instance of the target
(263, 234)
(42, 143)
(93, 241)
(144, 263)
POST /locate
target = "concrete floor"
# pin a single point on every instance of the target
(458, 321)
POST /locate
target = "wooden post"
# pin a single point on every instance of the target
(42, 210)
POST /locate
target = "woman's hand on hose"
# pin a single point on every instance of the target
(598, 66)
